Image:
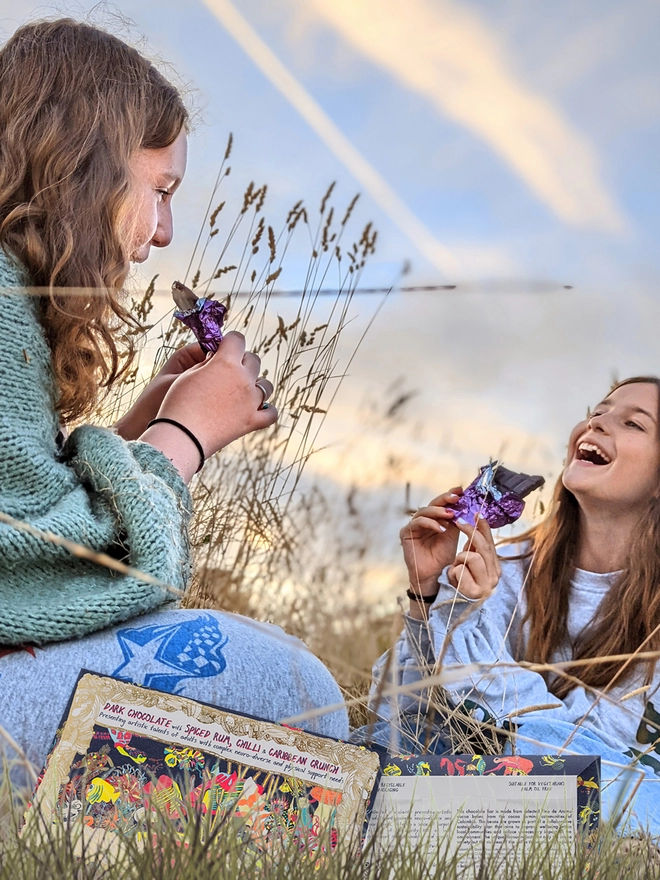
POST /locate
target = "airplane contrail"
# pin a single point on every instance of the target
(336, 141)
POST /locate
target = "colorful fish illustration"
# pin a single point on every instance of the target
(453, 766)
(164, 795)
(423, 769)
(132, 753)
(552, 761)
(586, 814)
(120, 737)
(100, 791)
(191, 759)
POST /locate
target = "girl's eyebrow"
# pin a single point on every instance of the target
(172, 177)
(632, 408)
(643, 412)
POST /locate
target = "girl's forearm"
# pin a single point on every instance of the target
(175, 445)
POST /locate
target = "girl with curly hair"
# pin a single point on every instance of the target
(92, 151)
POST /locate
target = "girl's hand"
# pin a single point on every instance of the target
(476, 570)
(429, 542)
(134, 423)
(217, 400)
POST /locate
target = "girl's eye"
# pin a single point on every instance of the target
(635, 425)
(163, 193)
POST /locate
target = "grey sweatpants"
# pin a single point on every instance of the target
(223, 659)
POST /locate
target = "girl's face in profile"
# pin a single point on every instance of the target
(155, 177)
(614, 456)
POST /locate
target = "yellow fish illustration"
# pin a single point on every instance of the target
(392, 770)
(101, 791)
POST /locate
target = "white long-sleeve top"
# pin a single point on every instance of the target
(625, 719)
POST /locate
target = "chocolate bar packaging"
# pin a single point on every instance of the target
(496, 495)
(204, 316)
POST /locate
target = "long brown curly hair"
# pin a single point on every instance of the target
(75, 104)
(628, 618)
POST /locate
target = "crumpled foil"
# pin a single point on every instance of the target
(484, 499)
(205, 320)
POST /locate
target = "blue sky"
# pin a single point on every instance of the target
(560, 184)
(493, 141)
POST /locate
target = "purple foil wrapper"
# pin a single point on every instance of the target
(205, 320)
(484, 499)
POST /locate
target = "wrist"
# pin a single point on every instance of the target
(427, 586)
(420, 602)
(175, 445)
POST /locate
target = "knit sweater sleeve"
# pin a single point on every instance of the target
(125, 499)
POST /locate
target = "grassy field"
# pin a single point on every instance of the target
(268, 543)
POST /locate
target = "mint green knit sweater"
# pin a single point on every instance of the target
(99, 491)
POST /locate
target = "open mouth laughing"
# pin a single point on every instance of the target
(590, 453)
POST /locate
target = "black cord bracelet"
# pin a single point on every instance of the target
(190, 434)
(416, 597)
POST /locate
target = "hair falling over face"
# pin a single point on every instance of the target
(75, 104)
(628, 619)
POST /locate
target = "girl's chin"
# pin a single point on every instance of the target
(140, 255)
(582, 476)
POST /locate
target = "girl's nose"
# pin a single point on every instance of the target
(597, 424)
(164, 230)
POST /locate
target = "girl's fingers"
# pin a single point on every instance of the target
(421, 524)
(447, 498)
(480, 539)
(433, 512)
(476, 566)
(469, 577)
(462, 580)
(494, 563)
(183, 359)
(252, 363)
(266, 387)
(485, 530)
(266, 417)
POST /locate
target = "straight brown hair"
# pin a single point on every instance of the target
(75, 104)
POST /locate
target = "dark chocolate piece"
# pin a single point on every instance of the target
(521, 484)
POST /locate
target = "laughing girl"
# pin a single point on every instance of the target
(581, 590)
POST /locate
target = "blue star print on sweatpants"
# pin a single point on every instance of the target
(171, 653)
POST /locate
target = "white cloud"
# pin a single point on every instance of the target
(377, 187)
(444, 51)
